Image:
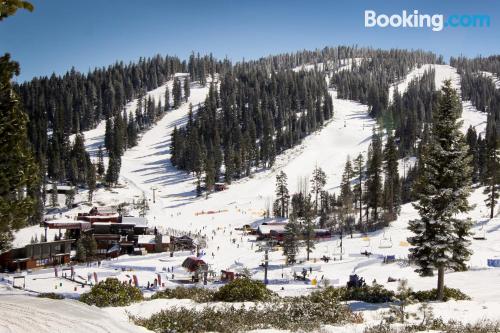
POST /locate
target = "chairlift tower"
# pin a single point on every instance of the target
(265, 246)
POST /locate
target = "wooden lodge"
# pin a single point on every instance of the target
(37, 255)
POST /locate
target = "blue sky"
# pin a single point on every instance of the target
(60, 34)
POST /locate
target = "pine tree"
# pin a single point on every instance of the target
(318, 181)
(291, 240)
(308, 225)
(209, 173)
(54, 202)
(91, 181)
(358, 188)
(70, 198)
(109, 135)
(81, 253)
(113, 171)
(492, 188)
(440, 238)
(100, 162)
(374, 176)
(131, 132)
(392, 186)
(177, 93)
(167, 99)
(187, 91)
(18, 170)
(346, 194)
(282, 195)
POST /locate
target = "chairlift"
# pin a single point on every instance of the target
(366, 249)
(480, 234)
(337, 251)
(385, 243)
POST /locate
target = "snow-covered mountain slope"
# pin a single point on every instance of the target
(470, 115)
(95, 137)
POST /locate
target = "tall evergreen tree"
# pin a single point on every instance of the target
(374, 176)
(100, 162)
(318, 181)
(308, 225)
(177, 93)
(292, 240)
(358, 188)
(282, 195)
(392, 186)
(346, 194)
(113, 172)
(18, 171)
(167, 99)
(187, 88)
(91, 181)
(440, 238)
(492, 178)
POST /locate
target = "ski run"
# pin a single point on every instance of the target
(146, 168)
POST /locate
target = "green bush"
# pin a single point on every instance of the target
(369, 294)
(111, 292)
(294, 313)
(200, 295)
(437, 325)
(431, 295)
(51, 295)
(243, 289)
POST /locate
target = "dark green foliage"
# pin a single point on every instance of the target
(437, 325)
(50, 295)
(370, 294)
(86, 248)
(392, 186)
(177, 92)
(282, 196)
(243, 289)
(111, 292)
(295, 314)
(200, 295)
(369, 81)
(292, 240)
(255, 115)
(374, 189)
(440, 238)
(70, 198)
(113, 172)
(10, 7)
(432, 295)
(17, 165)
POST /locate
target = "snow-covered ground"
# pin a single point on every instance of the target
(148, 166)
(41, 315)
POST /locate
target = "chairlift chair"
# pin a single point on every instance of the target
(480, 234)
(337, 251)
(366, 249)
(385, 243)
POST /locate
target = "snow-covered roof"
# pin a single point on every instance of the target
(146, 239)
(137, 221)
(105, 209)
(266, 229)
(67, 224)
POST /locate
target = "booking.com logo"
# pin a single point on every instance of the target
(436, 22)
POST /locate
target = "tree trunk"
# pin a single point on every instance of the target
(492, 208)
(440, 285)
